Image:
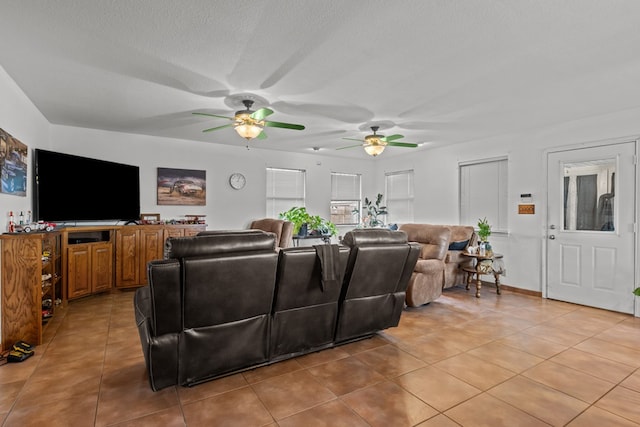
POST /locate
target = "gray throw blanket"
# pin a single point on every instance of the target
(328, 255)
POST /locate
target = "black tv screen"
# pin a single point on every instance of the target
(72, 188)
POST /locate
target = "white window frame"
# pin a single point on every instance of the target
(396, 199)
(350, 194)
(285, 192)
(483, 192)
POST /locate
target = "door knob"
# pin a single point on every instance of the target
(552, 237)
(553, 227)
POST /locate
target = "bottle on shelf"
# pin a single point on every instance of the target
(12, 226)
(21, 218)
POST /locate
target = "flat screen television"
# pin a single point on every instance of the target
(70, 188)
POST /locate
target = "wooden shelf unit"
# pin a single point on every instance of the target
(30, 274)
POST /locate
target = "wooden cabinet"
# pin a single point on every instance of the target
(30, 282)
(136, 245)
(89, 268)
(88, 260)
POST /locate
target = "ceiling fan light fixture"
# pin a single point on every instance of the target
(247, 127)
(374, 149)
(248, 131)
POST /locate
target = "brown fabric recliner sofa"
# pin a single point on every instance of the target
(283, 230)
(427, 279)
(439, 266)
(227, 301)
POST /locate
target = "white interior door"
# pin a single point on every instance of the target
(590, 219)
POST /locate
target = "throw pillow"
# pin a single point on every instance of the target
(458, 246)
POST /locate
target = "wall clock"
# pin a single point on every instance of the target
(237, 181)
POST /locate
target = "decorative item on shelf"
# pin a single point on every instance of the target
(12, 225)
(371, 212)
(150, 218)
(305, 223)
(194, 219)
(34, 226)
(484, 231)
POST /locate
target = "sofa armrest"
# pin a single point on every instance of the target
(165, 299)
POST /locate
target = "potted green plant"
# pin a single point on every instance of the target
(299, 216)
(319, 225)
(304, 222)
(484, 231)
(371, 211)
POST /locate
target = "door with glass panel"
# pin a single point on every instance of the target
(590, 219)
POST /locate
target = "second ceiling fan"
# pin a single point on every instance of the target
(249, 124)
(375, 144)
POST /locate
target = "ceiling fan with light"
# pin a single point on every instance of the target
(249, 124)
(375, 144)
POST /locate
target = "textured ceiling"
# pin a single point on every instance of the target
(439, 72)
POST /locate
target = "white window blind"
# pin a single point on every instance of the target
(399, 196)
(346, 194)
(285, 189)
(483, 193)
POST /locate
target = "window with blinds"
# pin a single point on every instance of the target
(346, 193)
(285, 189)
(483, 193)
(399, 196)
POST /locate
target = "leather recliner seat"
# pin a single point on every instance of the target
(227, 301)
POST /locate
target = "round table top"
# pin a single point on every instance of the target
(481, 257)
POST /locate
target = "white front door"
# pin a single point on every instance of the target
(590, 219)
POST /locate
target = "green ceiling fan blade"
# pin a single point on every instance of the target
(349, 146)
(283, 125)
(353, 139)
(214, 115)
(392, 137)
(402, 144)
(219, 127)
(262, 135)
(261, 114)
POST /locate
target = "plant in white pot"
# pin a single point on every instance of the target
(484, 231)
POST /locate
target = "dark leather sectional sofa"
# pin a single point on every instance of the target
(228, 301)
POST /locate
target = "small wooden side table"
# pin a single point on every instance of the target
(483, 265)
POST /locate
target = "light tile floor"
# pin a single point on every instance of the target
(509, 360)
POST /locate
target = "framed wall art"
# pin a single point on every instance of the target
(182, 187)
(13, 165)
